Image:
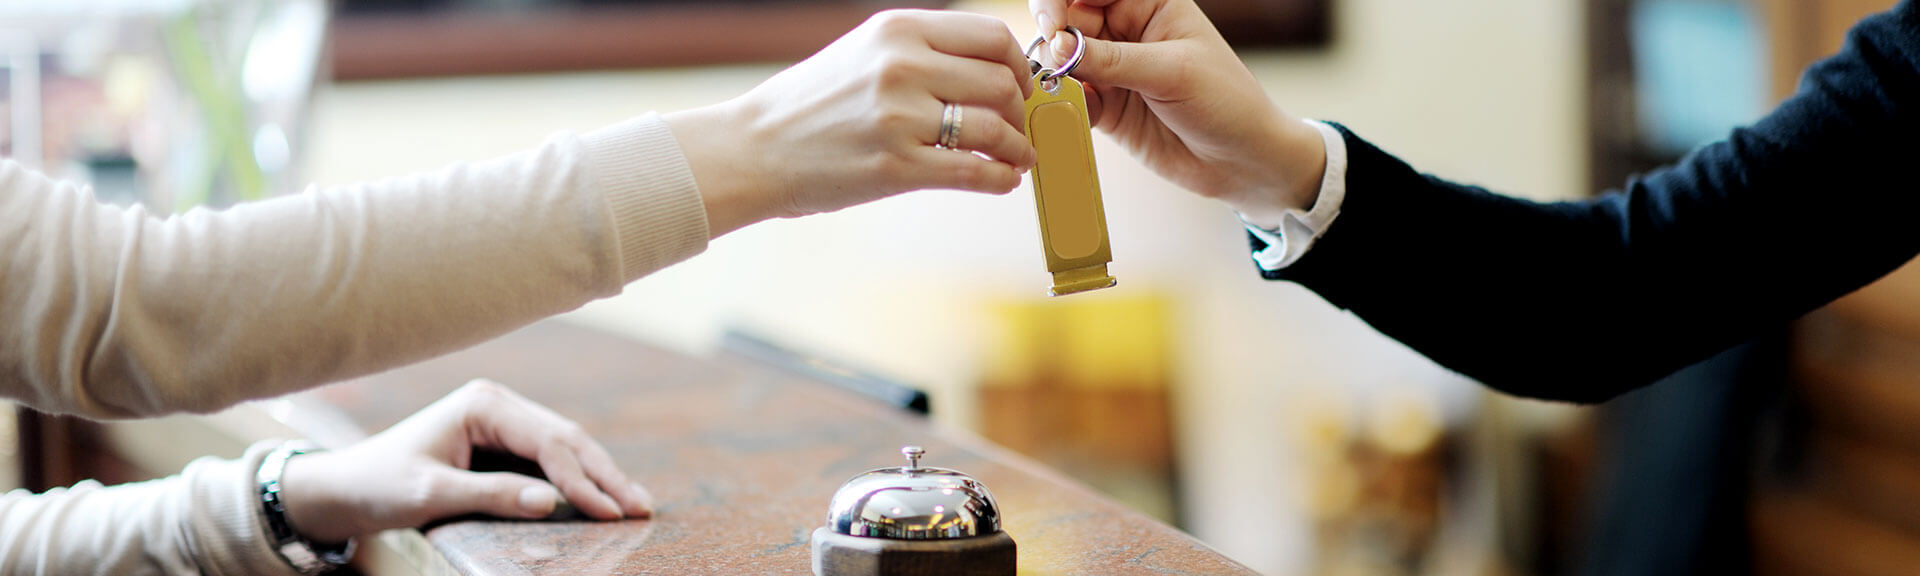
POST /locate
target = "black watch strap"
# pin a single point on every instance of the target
(305, 556)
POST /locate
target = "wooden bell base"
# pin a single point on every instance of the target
(836, 554)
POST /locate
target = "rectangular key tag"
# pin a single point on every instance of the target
(1066, 188)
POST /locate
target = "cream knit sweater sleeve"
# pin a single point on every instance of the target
(111, 312)
(206, 520)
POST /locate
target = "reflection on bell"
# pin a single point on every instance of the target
(912, 521)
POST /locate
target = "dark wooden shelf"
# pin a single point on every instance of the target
(453, 42)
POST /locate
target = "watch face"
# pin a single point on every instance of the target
(309, 559)
(302, 558)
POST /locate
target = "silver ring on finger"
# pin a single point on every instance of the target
(950, 127)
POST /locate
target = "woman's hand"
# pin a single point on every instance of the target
(1162, 81)
(416, 471)
(857, 121)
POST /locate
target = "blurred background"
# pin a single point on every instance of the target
(1281, 431)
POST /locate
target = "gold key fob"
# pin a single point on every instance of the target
(1066, 189)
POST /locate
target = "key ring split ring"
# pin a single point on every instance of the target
(1079, 49)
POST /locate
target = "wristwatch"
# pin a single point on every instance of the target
(304, 555)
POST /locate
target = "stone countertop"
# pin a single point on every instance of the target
(742, 459)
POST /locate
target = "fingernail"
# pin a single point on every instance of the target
(646, 500)
(1045, 21)
(1061, 50)
(538, 500)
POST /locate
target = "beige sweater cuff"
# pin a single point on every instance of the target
(657, 209)
(228, 529)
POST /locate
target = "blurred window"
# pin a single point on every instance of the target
(1701, 70)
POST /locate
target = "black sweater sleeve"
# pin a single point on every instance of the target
(1582, 301)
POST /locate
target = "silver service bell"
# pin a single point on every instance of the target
(912, 521)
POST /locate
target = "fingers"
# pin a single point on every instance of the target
(562, 466)
(1097, 98)
(634, 501)
(1140, 45)
(1091, 21)
(988, 135)
(974, 36)
(501, 494)
(1150, 69)
(937, 168)
(973, 82)
(1053, 16)
(582, 470)
(1049, 16)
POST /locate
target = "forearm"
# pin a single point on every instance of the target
(110, 312)
(1520, 295)
(1582, 301)
(204, 521)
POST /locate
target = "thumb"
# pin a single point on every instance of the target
(1148, 68)
(501, 494)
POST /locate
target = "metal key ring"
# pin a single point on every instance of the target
(1079, 49)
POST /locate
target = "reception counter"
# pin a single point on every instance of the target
(742, 458)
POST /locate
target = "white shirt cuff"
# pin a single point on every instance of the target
(1299, 229)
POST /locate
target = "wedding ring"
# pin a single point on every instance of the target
(946, 124)
(950, 127)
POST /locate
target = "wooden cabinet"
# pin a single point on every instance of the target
(1800, 32)
(1850, 506)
